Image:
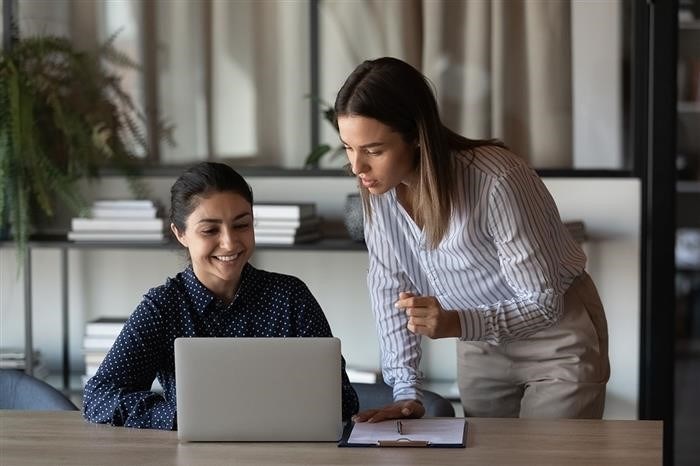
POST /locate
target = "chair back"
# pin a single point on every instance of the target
(21, 391)
(376, 395)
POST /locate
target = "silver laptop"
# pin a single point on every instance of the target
(258, 389)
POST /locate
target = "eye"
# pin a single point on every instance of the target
(242, 226)
(374, 152)
(209, 231)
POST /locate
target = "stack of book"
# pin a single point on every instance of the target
(286, 223)
(13, 358)
(100, 335)
(358, 375)
(119, 220)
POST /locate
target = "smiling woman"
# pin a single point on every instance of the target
(219, 295)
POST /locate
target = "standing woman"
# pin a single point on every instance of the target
(466, 242)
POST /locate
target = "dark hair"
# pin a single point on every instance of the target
(199, 182)
(396, 94)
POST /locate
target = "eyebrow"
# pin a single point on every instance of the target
(366, 146)
(218, 220)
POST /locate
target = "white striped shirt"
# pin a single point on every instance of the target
(504, 264)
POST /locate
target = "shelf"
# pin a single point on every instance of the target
(688, 186)
(688, 107)
(60, 241)
(689, 25)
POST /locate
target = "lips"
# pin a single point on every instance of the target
(227, 258)
(368, 183)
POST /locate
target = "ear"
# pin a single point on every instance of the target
(180, 237)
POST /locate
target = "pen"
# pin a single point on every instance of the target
(399, 427)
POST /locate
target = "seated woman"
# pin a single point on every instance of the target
(218, 295)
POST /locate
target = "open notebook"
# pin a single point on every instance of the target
(258, 389)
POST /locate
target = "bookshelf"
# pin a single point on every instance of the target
(61, 243)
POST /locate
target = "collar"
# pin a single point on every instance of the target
(206, 299)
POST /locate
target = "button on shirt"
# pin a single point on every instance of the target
(504, 264)
(266, 305)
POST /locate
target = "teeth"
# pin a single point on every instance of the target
(226, 258)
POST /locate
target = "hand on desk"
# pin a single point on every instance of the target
(399, 410)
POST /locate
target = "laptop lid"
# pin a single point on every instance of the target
(258, 389)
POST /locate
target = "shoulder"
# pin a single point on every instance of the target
(491, 162)
(167, 296)
(173, 287)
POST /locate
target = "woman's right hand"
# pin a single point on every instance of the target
(399, 410)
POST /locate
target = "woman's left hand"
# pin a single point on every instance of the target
(397, 410)
(427, 317)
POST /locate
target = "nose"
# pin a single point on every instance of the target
(228, 237)
(358, 164)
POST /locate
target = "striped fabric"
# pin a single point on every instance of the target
(504, 263)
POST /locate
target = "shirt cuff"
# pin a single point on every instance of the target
(405, 391)
(473, 325)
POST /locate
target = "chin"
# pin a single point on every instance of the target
(377, 190)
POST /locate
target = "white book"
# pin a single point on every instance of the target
(124, 203)
(363, 375)
(116, 235)
(95, 358)
(262, 231)
(108, 212)
(91, 369)
(16, 353)
(300, 223)
(284, 211)
(101, 343)
(287, 239)
(105, 326)
(110, 224)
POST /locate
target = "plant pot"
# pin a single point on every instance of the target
(354, 219)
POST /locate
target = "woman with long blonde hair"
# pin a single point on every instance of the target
(466, 242)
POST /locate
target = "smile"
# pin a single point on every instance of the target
(226, 258)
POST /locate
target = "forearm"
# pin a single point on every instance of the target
(106, 403)
(511, 319)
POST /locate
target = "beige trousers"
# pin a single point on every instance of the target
(559, 372)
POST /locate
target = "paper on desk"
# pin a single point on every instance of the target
(438, 431)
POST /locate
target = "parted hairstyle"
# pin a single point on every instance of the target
(398, 95)
(199, 182)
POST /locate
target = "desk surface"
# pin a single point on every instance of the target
(63, 438)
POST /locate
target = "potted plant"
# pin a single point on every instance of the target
(63, 115)
(323, 150)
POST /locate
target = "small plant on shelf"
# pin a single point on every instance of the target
(323, 150)
(63, 116)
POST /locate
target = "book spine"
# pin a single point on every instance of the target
(105, 212)
(105, 224)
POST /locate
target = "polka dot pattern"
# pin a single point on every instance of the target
(266, 305)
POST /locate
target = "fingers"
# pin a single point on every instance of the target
(399, 410)
(423, 312)
(363, 416)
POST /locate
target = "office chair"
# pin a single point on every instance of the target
(376, 395)
(21, 391)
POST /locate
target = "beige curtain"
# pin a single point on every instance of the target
(501, 68)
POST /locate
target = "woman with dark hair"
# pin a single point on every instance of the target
(218, 295)
(466, 242)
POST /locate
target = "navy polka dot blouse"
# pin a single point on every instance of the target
(266, 305)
